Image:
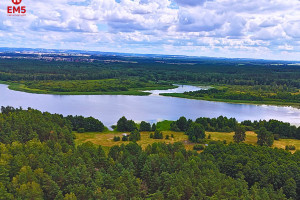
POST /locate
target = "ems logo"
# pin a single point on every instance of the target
(16, 2)
(16, 10)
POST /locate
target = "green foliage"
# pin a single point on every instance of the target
(220, 124)
(24, 125)
(264, 137)
(106, 85)
(135, 136)
(174, 127)
(125, 125)
(125, 138)
(158, 135)
(290, 147)
(278, 128)
(164, 125)
(259, 166)
(198, 147)
(85, 124)
(54, 169)
(81, 130)
(145, 126)
(195, 132)
(239, 134)
(153, 128)
(182, 124)
(117, 138)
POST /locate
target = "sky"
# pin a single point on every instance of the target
(267, 29)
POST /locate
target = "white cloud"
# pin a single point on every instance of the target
(243, 28)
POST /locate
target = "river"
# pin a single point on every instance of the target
(109, 108)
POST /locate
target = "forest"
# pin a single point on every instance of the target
(40, 160)
(237, 81)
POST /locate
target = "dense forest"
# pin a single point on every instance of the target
(39, 160)
(249, 81)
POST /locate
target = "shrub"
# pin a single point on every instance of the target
(167, 137)
(117, 138)
(125, 138)
(198, 147)
(290, 147)
(158, 135)
(202, 141)
(80, 130)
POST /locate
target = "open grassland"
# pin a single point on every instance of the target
(106, 139)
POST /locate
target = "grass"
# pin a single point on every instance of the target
(106, 139)
(251, 138)
(136, 91)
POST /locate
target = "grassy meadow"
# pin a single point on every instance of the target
(106, 139)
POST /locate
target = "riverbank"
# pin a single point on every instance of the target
(147, 91)
(136, 91)
(274, 103)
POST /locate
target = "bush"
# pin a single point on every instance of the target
(135, 136)
(158, 135)
(174, 127)
(117, 138)
(209, 136)
(172, 136)
(202, 141)
(80, 130)
(167, 137)
(145, 126)
(125, 138)
(151, 135)
(198, 147)
(125, 125)
(290, 147)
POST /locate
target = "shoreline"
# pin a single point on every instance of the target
(144, 92)
(135, 92)
(267, 103)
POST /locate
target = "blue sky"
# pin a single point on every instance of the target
(268, 29)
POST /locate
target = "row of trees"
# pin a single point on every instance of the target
(88, 124)
(278, 128)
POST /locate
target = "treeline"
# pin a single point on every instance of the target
(85, 124)
(24, 125)
(244, 94)
(276, 78)
(223, 124)
(278, 128)
(220, 124)
(107, 85)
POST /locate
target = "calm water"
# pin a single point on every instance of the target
(179, 89)
(109, 108)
